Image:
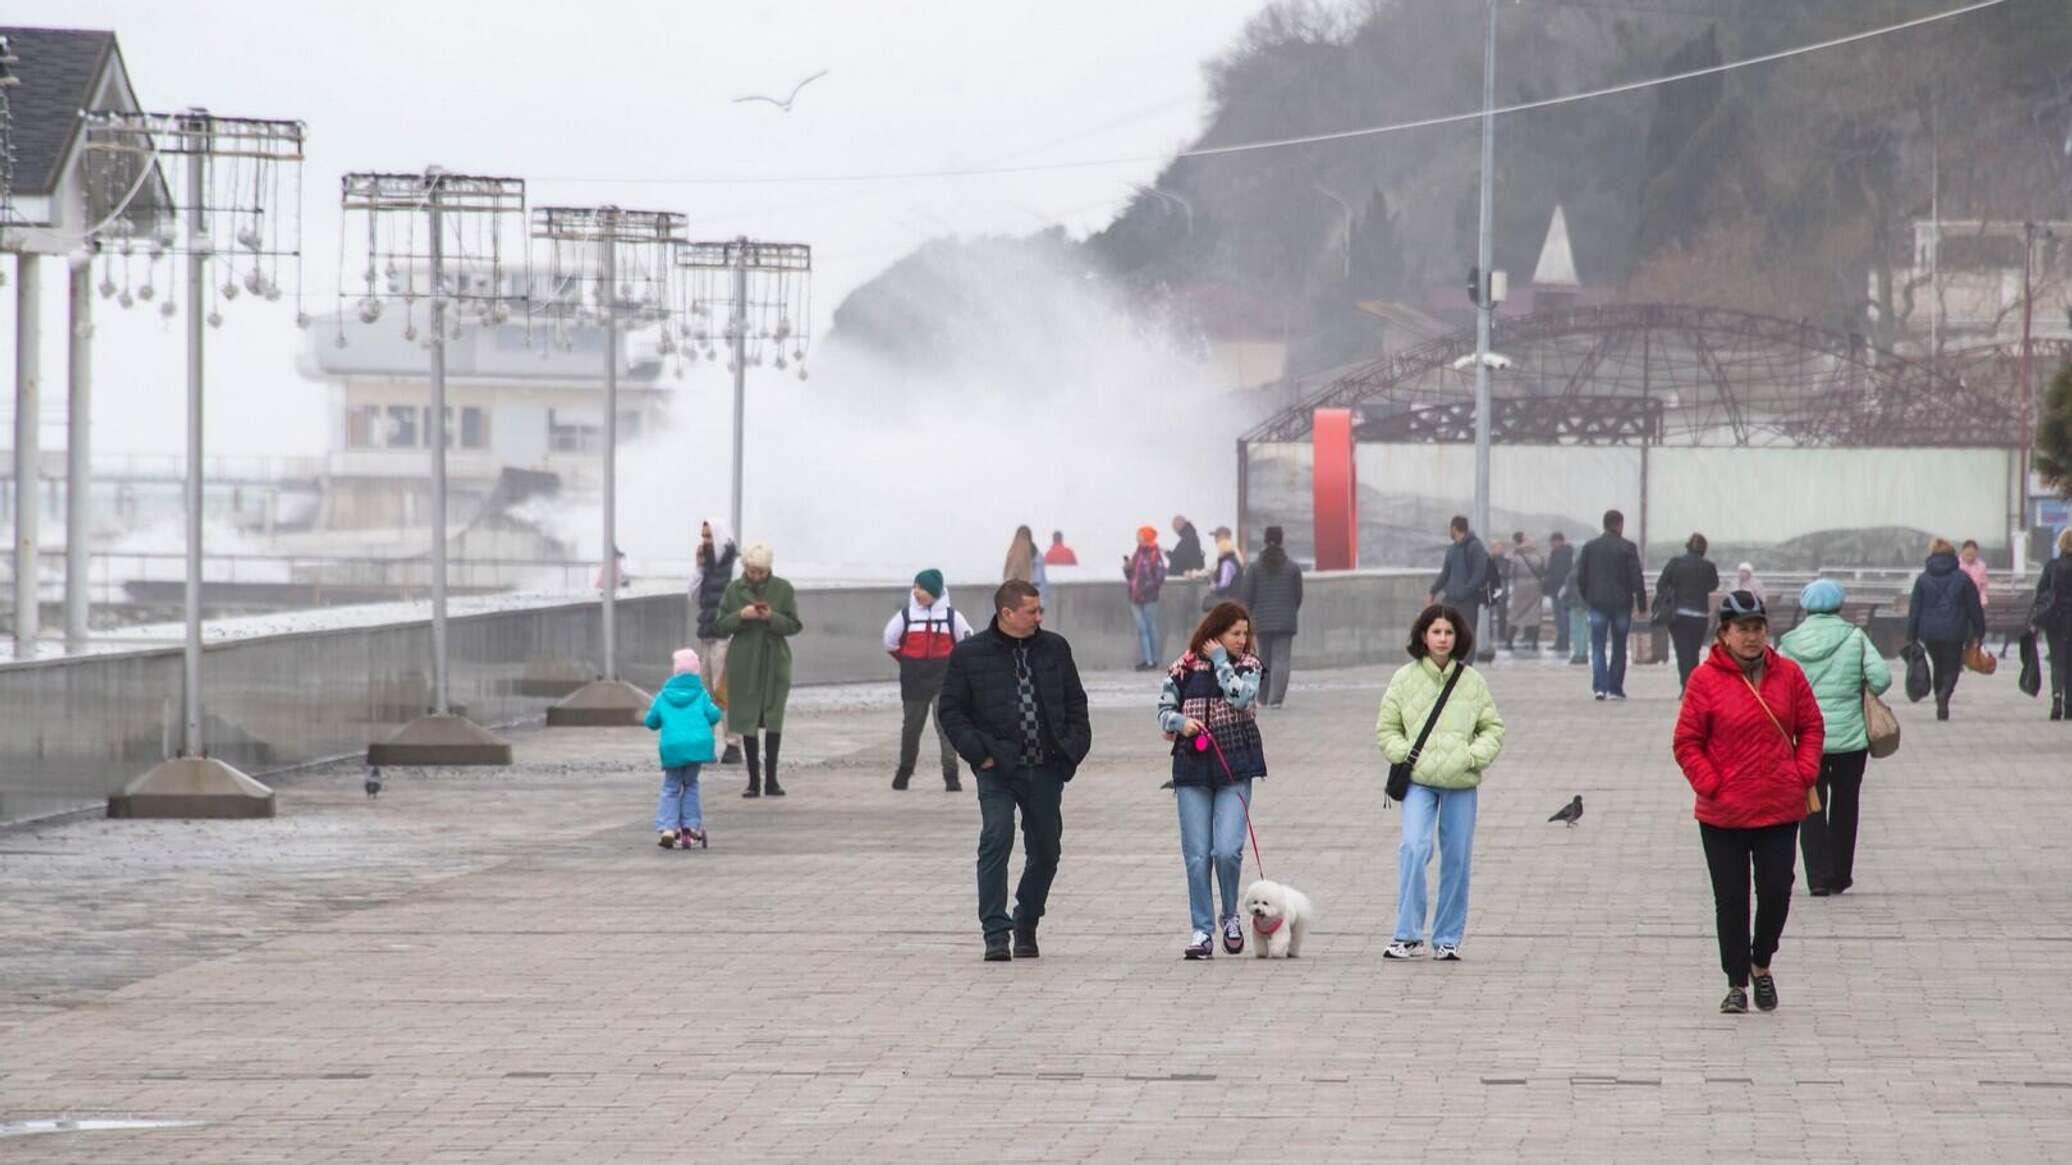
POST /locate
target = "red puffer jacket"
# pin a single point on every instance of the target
(1745, 774)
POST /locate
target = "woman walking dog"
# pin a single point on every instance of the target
(1205, 709)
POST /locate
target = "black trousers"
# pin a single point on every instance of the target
(2060, 642)
(1560, 627)
(1277, 659)
(910, 726)
(1730, 854)
(1687, 632)
(1039, 794)
(1945, 663)
(1828, 838)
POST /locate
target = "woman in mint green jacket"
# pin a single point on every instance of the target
(1840, 662)
(1463, 743)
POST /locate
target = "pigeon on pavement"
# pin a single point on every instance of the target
(1570, 813)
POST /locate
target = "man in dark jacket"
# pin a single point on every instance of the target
(1561, 558)
(1015, 710)
(1464, 577)
(1943, 615)
(1272, 592)
(1187, 557)
(1608, 577)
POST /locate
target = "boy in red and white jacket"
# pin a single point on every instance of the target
(920, 637)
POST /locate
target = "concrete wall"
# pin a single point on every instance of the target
(73, 731)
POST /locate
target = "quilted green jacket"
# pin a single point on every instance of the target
(1463, 743)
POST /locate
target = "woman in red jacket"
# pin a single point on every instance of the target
(1749, 738)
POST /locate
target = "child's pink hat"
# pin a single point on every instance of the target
(684, 662)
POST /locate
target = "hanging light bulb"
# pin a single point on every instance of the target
(215, 319)
(370, 310)
(799, 354)
(339, 342)
(255, 282)
(713, 354)
(302, 319)
(273, 292)
(166, 309)
(229, 289)
(410, 331)
(802, 373)
(779, 362)
(145, 292)
(107, 288)
(248, 239)
(125, 299)
(783, 329)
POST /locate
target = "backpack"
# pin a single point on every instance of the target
(906, 622)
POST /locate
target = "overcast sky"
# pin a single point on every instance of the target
(615, 101)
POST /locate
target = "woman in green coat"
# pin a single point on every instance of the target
(1840, 662)
(1464, 742)
(758, 614)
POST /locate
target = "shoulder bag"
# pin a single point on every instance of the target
(1813, 793)
(1399, 773)
(1880, 726)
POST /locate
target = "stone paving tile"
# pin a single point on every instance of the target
(501, 966)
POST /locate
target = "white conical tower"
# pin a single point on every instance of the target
(1557, 266)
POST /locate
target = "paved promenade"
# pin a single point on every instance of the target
(502, 966)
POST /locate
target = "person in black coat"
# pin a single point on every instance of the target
(1686, 587)
(1608, 577)
(1014, 709)
(1943, 615)
(2052, 613)
(1186, 557)
(1561, 559)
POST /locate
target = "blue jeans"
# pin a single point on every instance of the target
(1454, 810)
(1212, 830)
(1609, 675)
(1150, 636)
(679, 807)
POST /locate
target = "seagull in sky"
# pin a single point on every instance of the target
(785, 104)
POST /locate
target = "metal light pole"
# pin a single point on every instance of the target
(194, 784)
(649, 240)
(28, 326)
(451, 206)
(1485, 246)
(786, 269)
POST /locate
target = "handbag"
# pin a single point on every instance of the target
(1978, 659)
(1399, 773)
(1917, 682)
(2031, 679)
(1812, 791)
(1663, 608)
(1880, 726)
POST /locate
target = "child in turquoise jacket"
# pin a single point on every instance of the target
(684, 713)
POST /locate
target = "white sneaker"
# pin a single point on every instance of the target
(1402, 949)
(667, 839)
(1446, 953)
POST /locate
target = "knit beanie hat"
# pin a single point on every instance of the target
(1822, 596)
(930, 580)
(684, 662)
(758, 555)
(1147, 535)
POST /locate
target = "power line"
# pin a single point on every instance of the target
(1309, 139)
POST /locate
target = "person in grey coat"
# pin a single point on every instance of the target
(1272, 592)
(1561, 559)
(1464, 577)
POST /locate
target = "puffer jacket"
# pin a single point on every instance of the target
(1271, 591)
(1944, 607)
(684, 714)
(1839, 661)
(1746, 774)
(1464, 742)
(981, 700)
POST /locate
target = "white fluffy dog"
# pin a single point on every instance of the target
(1276, 915)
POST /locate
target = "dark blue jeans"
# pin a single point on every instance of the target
(1039, 794)
(1608, 659)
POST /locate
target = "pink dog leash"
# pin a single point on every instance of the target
(1205, 741)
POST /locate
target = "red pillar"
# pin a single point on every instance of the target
(1336, 502)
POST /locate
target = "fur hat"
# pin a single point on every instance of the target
(758, 555)
(684, 662)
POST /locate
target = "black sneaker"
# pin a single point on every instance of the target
(1025, 944)
(899, 780)
(1765, 992)
(950, 783)
(1819, 891)
(1201, 946)
(1736, 1002)
(996, 948)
